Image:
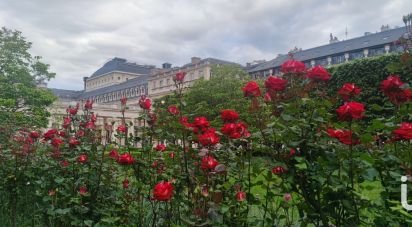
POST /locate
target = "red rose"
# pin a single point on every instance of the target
(173, 110)
(34, 134)
(208, 163)
(114, 154)
(172, 155)
(287, 197)
(344, 136)
(73, 142)
(201, 122)
(185, 122)
(251, 89)
(64, 163)
(348, 91)
(292, 152)
(318, 73)
(145, 103)
(392, 84)
(56, 142)
(123, 101)
(152, 119)
(404, 131)
(90, 125)
(179, 77)
(275, 84)
(125, 183)
(163, 191)
(121, 129)
(209, 137)
(229, 115)
(50, 134)
(350, 111)
(80, 133)
(293, 66)
(82, 158)
(401, 97)
(240, 196)
(61, 133)
(88, 105)
(82, 190)
(278, 170)
(66, 122)
(126, 159)
(235, 130)
(160, 147)
(93, 117)
(72, 111)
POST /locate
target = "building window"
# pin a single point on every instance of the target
(376, 51)
(338, 59)
(127, 79)
(118, 78)
(167, 81)
(355, 55)
(160, 83)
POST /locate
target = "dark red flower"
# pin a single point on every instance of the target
(350, 111)
(318, 73)
(126, 159)
(349, 90)
(251, 89)
(89, 104)
(50, 134)
(292, 152)
(145, 103)
(160, 147)
(80, 133)
(90, 125)
(64, 163)
(34, 134)
(404, 131)
(82, 158)
(235, 130)
(72, 111)
(172, 155)
(278, 170)
(121, 129)
(287, 197)
(163, 191)
(240, 196)
(344, 136)
(125, 183)
(73, 142)
(267, 98)
(114, 154)
(201, 123)
(56, 142)
(179, 77)
(209, 137)
(293, 66)
(61, 133)
(396, 90)
(66, 122)
(275, 84)
(152, 119)
(173, 110)
(208, 163)
(229, 115)
(83, 190)
(93, 117)
(123, 100)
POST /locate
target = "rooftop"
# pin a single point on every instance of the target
(122, 65)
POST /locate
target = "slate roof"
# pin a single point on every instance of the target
(121, 64)
(359, 43)
(213, 61)
(141, 80)
(66, 94)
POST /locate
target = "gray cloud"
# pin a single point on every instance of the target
(76, 37)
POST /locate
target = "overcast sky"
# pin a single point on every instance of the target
(77, 36)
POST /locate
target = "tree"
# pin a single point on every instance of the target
(22, 103)
(208, 97)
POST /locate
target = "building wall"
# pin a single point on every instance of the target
(107, 80)
(162, 84)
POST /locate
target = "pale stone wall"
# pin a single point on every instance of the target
(108, 79)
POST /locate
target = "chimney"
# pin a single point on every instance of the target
(166, 65)
(84, 81)
(195, 60)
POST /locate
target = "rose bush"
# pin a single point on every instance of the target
(298, 156)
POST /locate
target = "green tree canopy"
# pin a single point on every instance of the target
(208, 97)
(22, 103)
